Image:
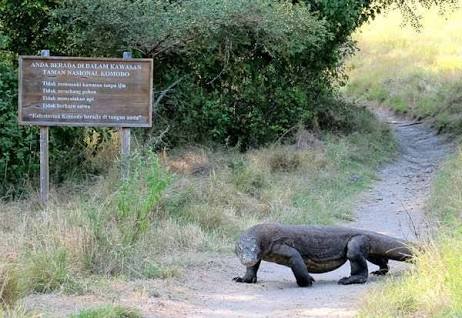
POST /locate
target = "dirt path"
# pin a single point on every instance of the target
(394, 205)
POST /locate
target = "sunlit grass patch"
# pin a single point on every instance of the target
(446, 201)
(412, 71)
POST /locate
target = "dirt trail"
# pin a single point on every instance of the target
(393, 205)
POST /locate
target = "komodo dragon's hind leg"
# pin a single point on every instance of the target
(381, 262)
(357, 249)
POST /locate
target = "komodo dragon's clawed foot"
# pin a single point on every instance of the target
(306, 282)
(352, 280)
(251, 280)
(380, 272)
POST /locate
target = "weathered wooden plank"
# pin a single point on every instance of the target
(44, 162)
(125, 139)
(44, 165)
(125, 151)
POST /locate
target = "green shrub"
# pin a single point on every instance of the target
(138, 196)
(245, 72)
(122, 220)
(45, 271)
(18, 145)
(233, 72)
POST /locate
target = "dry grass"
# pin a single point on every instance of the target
(18, 312)
(412, 71)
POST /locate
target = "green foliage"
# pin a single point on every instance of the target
(26, 24)
(18, 145)
(45, 271)
(108, 312)
(238, 72)
(119, 223)
(138, 195)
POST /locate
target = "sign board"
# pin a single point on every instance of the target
(67, 91)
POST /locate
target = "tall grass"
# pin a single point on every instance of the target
(412, 71)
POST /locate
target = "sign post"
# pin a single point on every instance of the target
(44, 165)
(125, 139)
(76, 91)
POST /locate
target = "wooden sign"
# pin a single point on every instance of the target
(67, 91)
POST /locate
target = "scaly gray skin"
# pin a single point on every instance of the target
(317, 249)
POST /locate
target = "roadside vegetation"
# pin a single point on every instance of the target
(419, 75)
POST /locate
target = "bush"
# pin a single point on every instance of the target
(46, 271)
(238, 71)
(19, 145)
(117, 224)
(232, 72)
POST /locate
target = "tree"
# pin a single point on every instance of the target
(26, 24)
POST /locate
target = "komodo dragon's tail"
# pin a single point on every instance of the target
(393, 248)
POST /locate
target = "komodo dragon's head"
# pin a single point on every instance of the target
(248, 250)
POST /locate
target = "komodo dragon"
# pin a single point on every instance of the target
(317, 249)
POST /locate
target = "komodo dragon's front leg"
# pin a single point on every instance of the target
(250, 275)
(295, 262)
(357, 249)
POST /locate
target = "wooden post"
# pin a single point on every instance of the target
(44, 167)
(125, 139)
